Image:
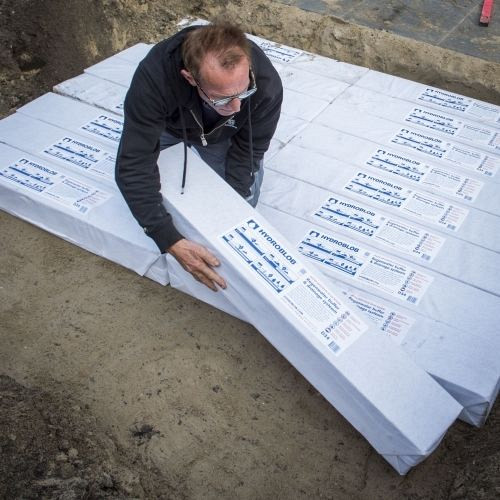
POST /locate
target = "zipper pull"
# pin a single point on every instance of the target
(203, 140)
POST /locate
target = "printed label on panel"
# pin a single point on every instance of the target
(395, 234)
(51, 184)
(271, 262)
(461, 104)
(84, 155)
(455, 154)
(368, 267)
(423, 205)
(452, 183)
(278, 53)
(105, 127)
(394, 323)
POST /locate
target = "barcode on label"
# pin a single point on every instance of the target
(411, 299)
(334, 347)
(82, 209)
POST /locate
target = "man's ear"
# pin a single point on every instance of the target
(188, 76)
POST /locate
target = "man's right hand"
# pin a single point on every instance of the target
(198, 261)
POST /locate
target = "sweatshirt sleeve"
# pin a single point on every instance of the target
(264, 119)
(137, 174)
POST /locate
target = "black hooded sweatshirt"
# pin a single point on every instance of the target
(159, 98)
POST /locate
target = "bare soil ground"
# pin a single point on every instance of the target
(112, 386)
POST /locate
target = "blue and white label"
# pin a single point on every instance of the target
(105, 127)
(452, 154)
(355, 217)
(49, 183)
(452, 183)
(278, 53)
(381, 190)
(83, 155)
(404, 166)
(31, 175)
(371, 268)
(424, 206)
(461, 104)
(449, 125)
(269, 260)
(393, 233)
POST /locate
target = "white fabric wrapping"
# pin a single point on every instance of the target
(433, 97)
(392, 402)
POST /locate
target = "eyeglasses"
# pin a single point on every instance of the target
(226, 100)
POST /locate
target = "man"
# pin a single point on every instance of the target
(209, 87)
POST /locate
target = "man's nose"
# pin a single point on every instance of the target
(235, 105)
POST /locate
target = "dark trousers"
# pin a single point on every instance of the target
(214, 155)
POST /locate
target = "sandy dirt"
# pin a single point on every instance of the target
(114, 386)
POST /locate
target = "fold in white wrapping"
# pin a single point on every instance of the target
(422, 117)
(433, 97)
(302, 105)
(114, 69)
(400, 410)
(288, 127)
(108, 230)
(295, 184)
(136, 53)
(466, 365)
(426, 145)
(321, 87)
(95, 91)
(477, 227)
(337, 70)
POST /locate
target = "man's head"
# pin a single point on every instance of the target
(217, 61)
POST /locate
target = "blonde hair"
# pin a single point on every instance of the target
(225, 41)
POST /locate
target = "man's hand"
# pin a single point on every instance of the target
(198, 261)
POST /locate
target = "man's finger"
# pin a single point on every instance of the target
(216, 278)
(202, 278)
(208, 273)
(209, 257)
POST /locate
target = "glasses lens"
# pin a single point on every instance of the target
(227, 100)
(222, 102)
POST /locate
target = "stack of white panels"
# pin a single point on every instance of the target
(326, 192)
(427, 146)
(468, 366)
(384, 190)
(472, 189)
(64, 182)
(367, 377)
(432, 97)
(76, 208)
(428, 120)
(73, 151)
(396, 216)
